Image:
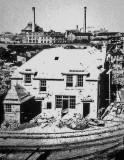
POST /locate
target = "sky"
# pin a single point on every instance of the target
(61, 15)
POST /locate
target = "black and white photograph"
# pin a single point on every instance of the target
(61, 79)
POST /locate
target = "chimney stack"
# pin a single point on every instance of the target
(33, 24)
(85, 25)
(77, 27)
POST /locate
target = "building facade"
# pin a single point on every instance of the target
(40, 36)
(77, 36)
(61, 81)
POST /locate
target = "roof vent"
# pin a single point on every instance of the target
(56, 58)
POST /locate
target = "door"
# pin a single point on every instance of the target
(86, 109)
(64, 107)
(65, 104)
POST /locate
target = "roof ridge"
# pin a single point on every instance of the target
(12, 93)
(21, 92)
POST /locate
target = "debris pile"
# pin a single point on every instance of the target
(47, 123)
(43, 120)
(96, 122)
(114, 112)
(9, 125)
(70, 120)
(74, 121)
(44, 123)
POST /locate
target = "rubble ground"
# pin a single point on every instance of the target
(67, 123)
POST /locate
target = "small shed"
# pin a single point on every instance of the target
(19, 105)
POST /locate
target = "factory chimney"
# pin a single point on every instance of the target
(77, 27)
(33, 24)
(85, 25)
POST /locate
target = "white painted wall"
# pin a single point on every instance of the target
(55, 87)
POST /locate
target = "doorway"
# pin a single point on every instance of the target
(65, 104)
(86, 109)
(29, 110)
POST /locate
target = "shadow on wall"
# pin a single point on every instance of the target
(104, 90)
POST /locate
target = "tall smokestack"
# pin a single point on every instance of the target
(33, 24)
(85, 20)
(77, 27)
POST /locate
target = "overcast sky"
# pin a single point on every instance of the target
(61, 14)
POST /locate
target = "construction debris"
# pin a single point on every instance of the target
(45, 123)
(9, 125)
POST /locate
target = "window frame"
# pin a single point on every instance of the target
(60, 98)
(8, 108)
(49, 107)
(69, 80)
(72, 102)
(43, 87)
(27, 80)
(58, 101)
(80, 80)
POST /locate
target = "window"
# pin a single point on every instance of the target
(58, 101)
(80, 80)
(69, 81)
(28, 78)
(49, 105)
(65, 102)
(8, 108)
(72, 102)
(43, 85)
